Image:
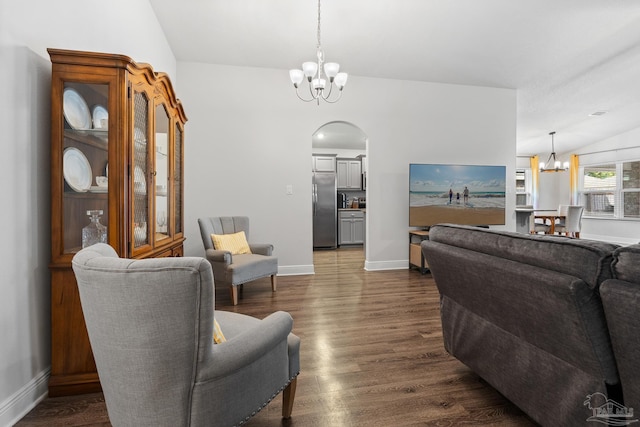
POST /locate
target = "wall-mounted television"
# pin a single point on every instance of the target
(457, 194)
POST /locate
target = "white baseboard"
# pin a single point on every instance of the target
(301, 270)
(24, 400)
(295, 270)
(617, 240)
(401, 264)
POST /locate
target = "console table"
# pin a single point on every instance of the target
(416, 259)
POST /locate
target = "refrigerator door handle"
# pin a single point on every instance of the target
(315, 199)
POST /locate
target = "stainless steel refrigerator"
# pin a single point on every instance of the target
(325, 210)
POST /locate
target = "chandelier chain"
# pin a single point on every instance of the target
(319, 44)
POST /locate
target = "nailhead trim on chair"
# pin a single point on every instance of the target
(267, 402)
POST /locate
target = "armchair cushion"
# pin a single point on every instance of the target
(245, 268)
(236, 243)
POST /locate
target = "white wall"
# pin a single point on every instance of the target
(623, 147)
(249, 136)
(554, 190)
(27, 28)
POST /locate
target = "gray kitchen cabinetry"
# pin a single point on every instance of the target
(324, 163)
(351, 227)
(349, 174)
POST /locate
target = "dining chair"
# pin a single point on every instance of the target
(537, 227)
(562, 211)
(573, 222)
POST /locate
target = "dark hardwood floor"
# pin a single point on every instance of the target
(371, 355)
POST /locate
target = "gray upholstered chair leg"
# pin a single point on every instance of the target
(288, 396)
(273, 282)
(234, 295)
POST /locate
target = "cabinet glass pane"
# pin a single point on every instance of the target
(140, 170)
(84, 158)
(161, 174)
(178, 180)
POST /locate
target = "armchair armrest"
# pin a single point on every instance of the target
(243, 349)
(261, 248)
(214, 255)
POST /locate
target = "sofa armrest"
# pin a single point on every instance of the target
(214, 255)
(261, 248)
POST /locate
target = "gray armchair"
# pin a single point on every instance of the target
(235, 270)
(151, 324)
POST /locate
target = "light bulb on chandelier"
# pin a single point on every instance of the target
(313, 73)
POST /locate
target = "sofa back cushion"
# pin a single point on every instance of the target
(626, 263)
(585, 259)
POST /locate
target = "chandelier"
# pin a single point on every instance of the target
(312, 71)
(553, 164)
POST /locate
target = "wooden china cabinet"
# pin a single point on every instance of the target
(113, 118)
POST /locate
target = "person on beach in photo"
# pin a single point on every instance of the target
(450, 195)
(466, 195)
(458, 198)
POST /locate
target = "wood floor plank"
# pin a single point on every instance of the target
(371, 355)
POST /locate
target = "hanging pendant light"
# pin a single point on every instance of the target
(313, 73)
(553, 164)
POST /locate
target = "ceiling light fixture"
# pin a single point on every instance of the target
(313, 73)
(553, 165)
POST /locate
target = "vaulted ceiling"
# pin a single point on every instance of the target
(567, 58)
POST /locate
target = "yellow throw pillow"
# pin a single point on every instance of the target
(235, 243)
(218, 336)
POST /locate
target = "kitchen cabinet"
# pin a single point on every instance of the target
(349, 174)
(114, 118)
(351, 227)
(324, 163)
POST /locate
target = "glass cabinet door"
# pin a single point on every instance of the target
(85, 145)
(177, 180)
(161, 174)
(140, 170)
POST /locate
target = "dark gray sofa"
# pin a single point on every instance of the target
(524, 312)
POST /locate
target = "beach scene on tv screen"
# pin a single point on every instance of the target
(458, 194)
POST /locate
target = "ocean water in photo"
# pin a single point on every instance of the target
(476, 200)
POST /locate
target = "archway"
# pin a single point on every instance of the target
(344, 146)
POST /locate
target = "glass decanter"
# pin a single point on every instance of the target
(94, 232)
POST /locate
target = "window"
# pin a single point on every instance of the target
(631, 189)
(523, 187)
(611, 190)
